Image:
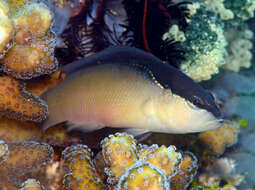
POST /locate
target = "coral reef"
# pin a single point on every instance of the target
(32, 52)
(154, 167)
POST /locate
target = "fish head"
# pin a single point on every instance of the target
(179, 115)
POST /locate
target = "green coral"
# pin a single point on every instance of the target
(242, 9)
(204, 45)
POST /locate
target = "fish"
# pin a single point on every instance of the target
(125, 87)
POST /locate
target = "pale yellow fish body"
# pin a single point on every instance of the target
(106, 95)
(122, 96)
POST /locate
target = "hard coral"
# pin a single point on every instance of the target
(204, 46)
(16, 103)
(17, 131)
(32, 21)
(6, 28)
(32, 53)
(79, 169)
(25, 61)
(217, 140)
(24, 160)
(142, 166)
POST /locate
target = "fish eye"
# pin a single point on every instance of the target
(197, 100)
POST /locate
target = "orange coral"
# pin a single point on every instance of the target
(143, 176)
(165, 158)
(57, 135)
(217, 140)
(25, 61)
(38, 86)
(16, 103)
(119, 153)
(18, 131)
(187, 171)
(32, 21)
(24, 160)
(79, 169)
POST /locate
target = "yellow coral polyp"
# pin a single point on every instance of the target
(31, 60)
(143, 177)
(79, 170)
(217, 140)
(119, 153)
(32, 21)
(31, 184)
(18, 104)
(187, 171)
(165, 158)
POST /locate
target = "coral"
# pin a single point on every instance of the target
(119, 153)
(217, 140)
(32, 21)
(26, 130)
(25, 159)
(79, 169)
(242, 9)
(18, 104)
(31, 184)
(239, 48)
(25, 61)
(57, 135)
(6, 28)
(187, 171)
(32, 53)
(164, 158)
(142, 166)
(39, 85)
(204, 51)
(143, 176)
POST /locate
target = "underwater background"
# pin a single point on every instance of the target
(211, 41)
